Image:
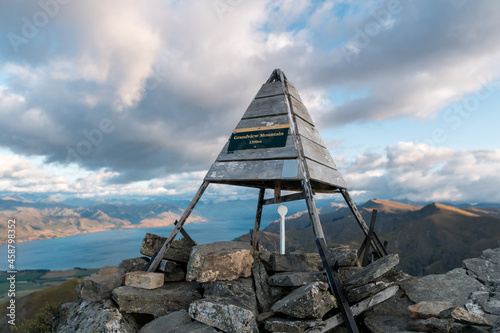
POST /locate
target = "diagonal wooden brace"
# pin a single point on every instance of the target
(155, 261)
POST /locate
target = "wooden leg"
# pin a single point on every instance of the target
(369, 238)
(379, 248)
(258, 215)
(330, 270)
(159, 256)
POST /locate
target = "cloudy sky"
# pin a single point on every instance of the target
(128, 97)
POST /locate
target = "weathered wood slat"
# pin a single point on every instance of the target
(300, 110)
(257, 154)
(356, 310)
(270, 89)
(324, 174)
(309, 131)
(317, 153)
(285, 198)
(246, 170)
(366, 256)
(293, 91)
(265, 107)
(258, 215)
(377, 245)
(153, 264)
(186, 236)
(263, 122)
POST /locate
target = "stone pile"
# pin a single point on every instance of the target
(226, 286)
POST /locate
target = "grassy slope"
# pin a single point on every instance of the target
(28, 306)
(31, 280)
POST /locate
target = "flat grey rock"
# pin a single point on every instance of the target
(157, 302)
(220, 261)
(295, 279)
(430, 325)
(103, 316)
(167, 323)
(390, 315)
(241, 289)
(454, 287)
(311, 301)
(262, 288)
(296, 262)
(134, 264)
(386, 323)
(289, 325)
(227, 314)
(485, 268)
(99, 286)
(343, 255)
(373, 271)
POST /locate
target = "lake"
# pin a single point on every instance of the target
(99, 249)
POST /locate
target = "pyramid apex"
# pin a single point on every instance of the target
(276, 76)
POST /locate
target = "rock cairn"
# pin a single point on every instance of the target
(226, 286)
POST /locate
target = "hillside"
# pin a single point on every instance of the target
(430, 240)
(53, 220)
(28, 306)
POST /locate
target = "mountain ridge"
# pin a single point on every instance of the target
(430, 239)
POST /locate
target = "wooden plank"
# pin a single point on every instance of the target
(293, 91)
(258, 215)
(263, 122)
(277, 191)
(332, 278)
(265, 107)
(317, 153)
(186, 235)
(335, 285)
(300, 110)
(258, 154)
(309, 131)
(270, 89)
(324, 174)
(377, 245)
(356, 310)
(369, 238)
(285, 198)
(153, 264)
(245, 170)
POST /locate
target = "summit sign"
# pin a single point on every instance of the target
(258, 137)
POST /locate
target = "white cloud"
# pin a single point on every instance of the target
(419, 172)
(174, 77)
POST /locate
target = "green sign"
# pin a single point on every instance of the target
(258, 137)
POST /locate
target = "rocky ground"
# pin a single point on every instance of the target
(226, 286)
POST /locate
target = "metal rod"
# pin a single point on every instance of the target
(282, 210)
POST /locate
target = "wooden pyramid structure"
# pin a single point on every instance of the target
(274, 135)
(276, 146)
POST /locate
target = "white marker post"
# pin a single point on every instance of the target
(282, 210)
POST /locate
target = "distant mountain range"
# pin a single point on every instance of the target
(42, 217)
(38, 220)
(430, 239)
